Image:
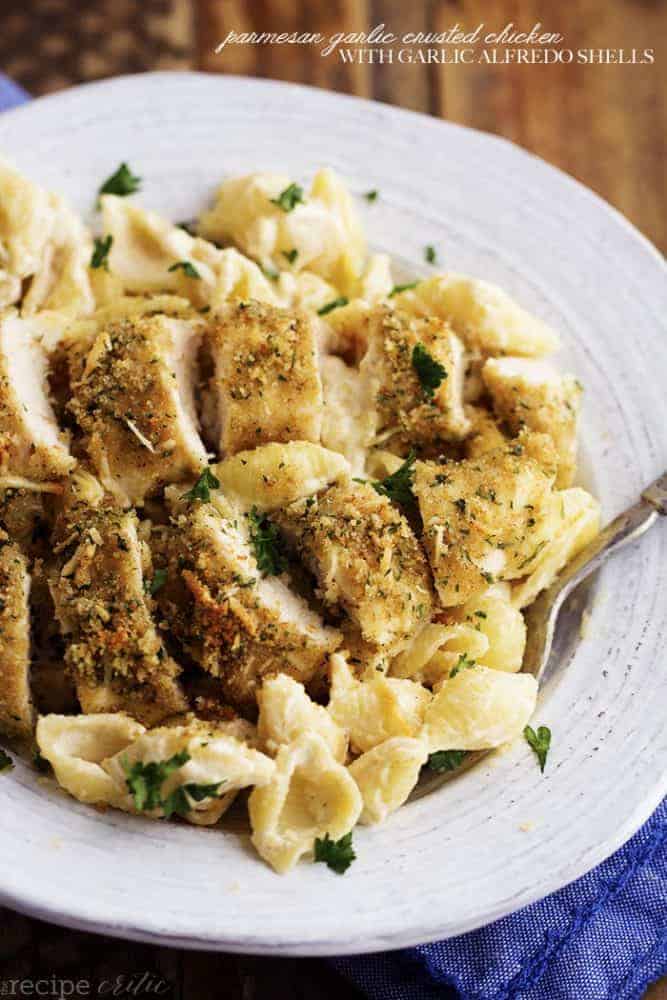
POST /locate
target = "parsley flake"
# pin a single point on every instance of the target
(371, 195)
(178, 801)
(188, 269)
(202, 488)
(539, 742)
(429, 371)
(41, 763)
(446, 760)
(461, 664)
(397, 289)
(100, 255)
(398, 486)
(144, 781)
(430, 254)
(291, 255)
(267, 544)
(6, 762)
(122, 182)
(334, 304)
(289, 198)
(158, 581)
(336, 854)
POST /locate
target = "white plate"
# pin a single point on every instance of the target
(457, 858)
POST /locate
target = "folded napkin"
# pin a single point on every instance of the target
(604, 937)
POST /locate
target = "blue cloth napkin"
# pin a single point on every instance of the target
(603, 937)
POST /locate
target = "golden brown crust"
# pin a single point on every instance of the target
(266, 378)
(114, 652)
(365, 557)
(16, 710)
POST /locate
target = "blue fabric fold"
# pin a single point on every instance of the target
(604, 937)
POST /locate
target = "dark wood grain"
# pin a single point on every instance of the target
(605, 125)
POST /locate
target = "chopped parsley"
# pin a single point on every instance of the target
(41, 763)
(122, 182)
(100, 255)
(397, 289)
(461, 664)
(270, 273)
(289, 198)
(446, 760)
(291, 255)
(334, 304)
(202, 488)
(398, 486)
(144, 782)
(6, 762)
(188, 269)
(336, 854)
(430, 254)
(371, 195)
(539, 742)
(429, 371)
(158, 581)
(267, 544)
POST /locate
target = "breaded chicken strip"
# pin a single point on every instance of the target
(530, 394)
(133, 397)
(485, 519)
(413, 370)
(31, 444)
(238, 624)
(365, 557)
(266, 379)
(114, 651)
(16, 710)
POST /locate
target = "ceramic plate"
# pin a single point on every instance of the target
(501, 835)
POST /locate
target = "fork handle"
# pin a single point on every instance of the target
(623, 529)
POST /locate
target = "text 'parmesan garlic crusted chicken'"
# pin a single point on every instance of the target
(114, 651)
(268, 520)
(266, 381)
(134, 399)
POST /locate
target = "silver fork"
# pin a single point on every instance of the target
(542, 614)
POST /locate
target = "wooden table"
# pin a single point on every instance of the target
(604, 124)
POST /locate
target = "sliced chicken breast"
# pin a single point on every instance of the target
(266, 379)
(114, 651)
(236, 623)
(414, 371)
(134, 399)
(16, 709)
(31, 444)
(365, 557)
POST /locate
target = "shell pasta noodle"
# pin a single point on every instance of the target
(268, 518)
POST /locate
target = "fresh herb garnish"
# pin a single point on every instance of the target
(397, 289)
(461, 664)
(291, 255)
(289, 198)
(202, 488)
(398, 486)
(41, 763)
(144, 781)
(371, 195)
(446, 760)
(430, 254)
(539, 742)
(334, 304)
(186, 267)
(337, 854)
(6, 762)
(100, 255)
(270, 273)
(429, 371)
(158, 581)
(267, 544)
(178, 801)
(122, 182)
